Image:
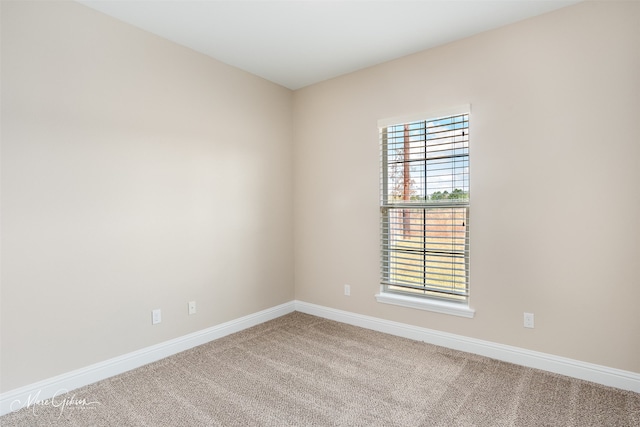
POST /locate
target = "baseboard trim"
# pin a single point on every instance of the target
(612, 377)
(46, 389)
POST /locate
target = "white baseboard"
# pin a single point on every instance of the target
(28, 395)
(46, 389)
(612, 377)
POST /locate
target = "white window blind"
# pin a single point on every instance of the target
(425, 206)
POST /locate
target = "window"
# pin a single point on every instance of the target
(425, 207)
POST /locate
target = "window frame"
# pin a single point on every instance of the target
(393, 294)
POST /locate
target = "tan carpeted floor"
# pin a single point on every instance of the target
(301, 370)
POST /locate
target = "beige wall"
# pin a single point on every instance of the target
(555, 217)
(136, 174)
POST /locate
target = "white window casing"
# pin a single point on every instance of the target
(424, 211)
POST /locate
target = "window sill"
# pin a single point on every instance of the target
(444, 307)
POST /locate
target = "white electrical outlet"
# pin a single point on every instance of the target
(192, 307)
(156, 316)
(347, 290)
(528, 320)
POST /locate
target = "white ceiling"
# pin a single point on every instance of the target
(298, 43)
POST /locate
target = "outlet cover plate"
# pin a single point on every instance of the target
(528, 320)
(156, 316)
